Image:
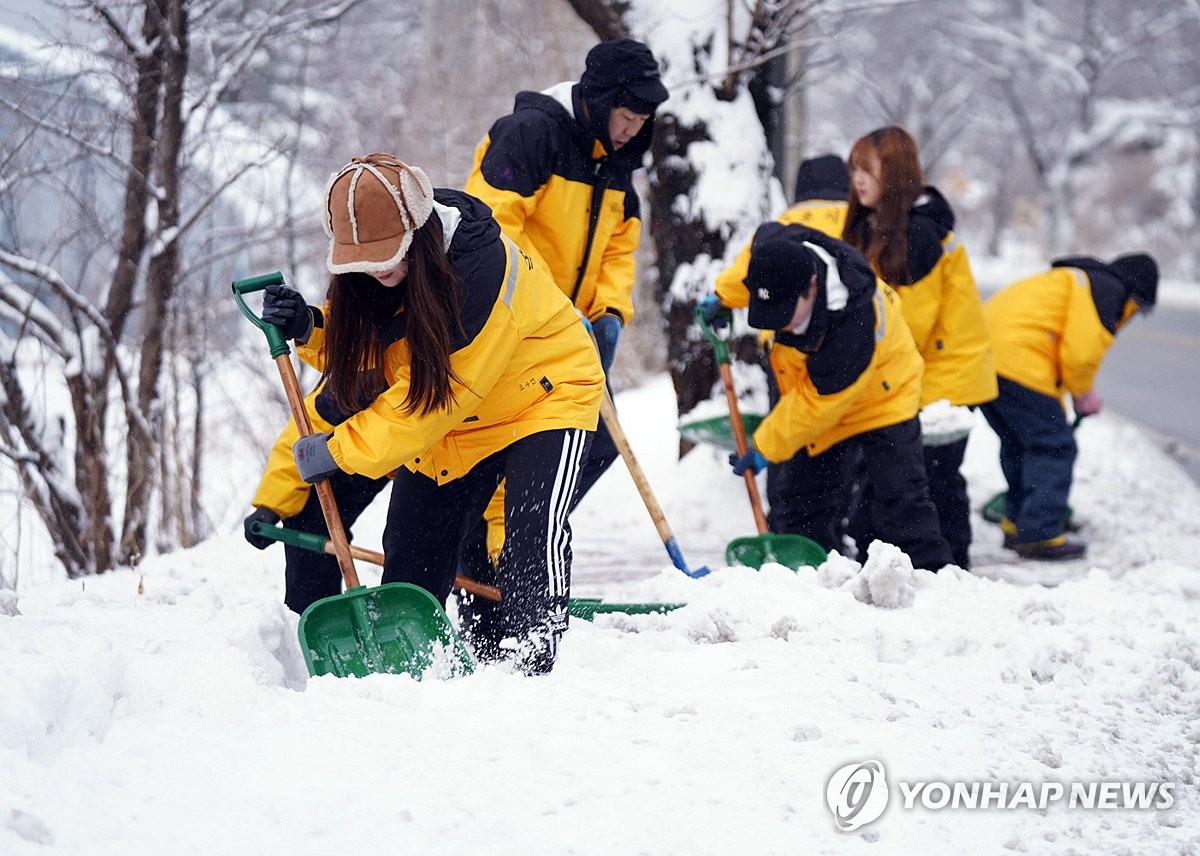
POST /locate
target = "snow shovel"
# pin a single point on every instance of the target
(787, 549)
(395, 628)
(717, 431)
(993, 509)
(579, 607)
(318, 544)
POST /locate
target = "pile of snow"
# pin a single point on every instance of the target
(169, 711)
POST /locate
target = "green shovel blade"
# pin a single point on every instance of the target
(716, 431)
(791, 551)
(396, 628)
(588, 608)
(993, 512)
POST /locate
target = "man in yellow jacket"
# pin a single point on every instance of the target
(849, 380)
(1049, 334)
(557, 173)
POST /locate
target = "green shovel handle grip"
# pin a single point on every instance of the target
(303, 540)
(720, 346)
(275, 339)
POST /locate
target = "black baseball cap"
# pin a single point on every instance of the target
(780, 271)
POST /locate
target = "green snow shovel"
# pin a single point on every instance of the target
(993, 509)
(394, 628)
(787, 549)
(717, 431)
(579, 607)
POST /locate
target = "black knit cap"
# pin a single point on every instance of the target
(623, 64)
(1139, 273)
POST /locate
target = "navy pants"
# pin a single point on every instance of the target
(808, 495)
(1037, 457)
(427, 523)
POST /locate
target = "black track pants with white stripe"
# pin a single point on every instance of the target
(427, 523)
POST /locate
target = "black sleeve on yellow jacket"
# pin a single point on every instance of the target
(844, 353)
(1108, 292)
(520, 156)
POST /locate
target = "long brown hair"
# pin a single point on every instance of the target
(361, 324)
(882, 232)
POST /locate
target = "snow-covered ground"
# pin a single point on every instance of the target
(169, 711)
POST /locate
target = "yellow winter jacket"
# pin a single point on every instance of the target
(1047, 333)
(943, 309)
(550, 183)
(886, 393)
(853, 370)
(527, 365)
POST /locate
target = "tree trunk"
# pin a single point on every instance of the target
(161, 275)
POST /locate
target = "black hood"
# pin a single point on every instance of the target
(475, 227)
(1109, 293)
(932, 206)
(824, 177)
(794, 252)
(614, 68)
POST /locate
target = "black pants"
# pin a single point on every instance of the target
(427, 523)
(808, 495)
(948, 490)
(310, 576)
(600, 456)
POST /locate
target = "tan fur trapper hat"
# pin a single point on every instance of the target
(372, 206)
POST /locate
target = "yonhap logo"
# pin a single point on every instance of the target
(857, 794)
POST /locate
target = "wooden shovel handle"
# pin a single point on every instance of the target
(333, 519)
(739, 440)
(465, 583)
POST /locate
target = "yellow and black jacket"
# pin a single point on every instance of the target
(567, 202)
(524, 361)
(943, 309)
(1051, 331)
(852, 371)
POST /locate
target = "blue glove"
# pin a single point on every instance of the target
(607, 330)
(284, 307)
(313, 459)
(716, 315)
(751, 461)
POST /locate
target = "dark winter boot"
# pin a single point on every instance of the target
(1056, 549)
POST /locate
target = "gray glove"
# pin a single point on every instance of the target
(284, 307)
(313, 459)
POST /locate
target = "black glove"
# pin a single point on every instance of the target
(260, 515)
(284, 307)
(716, 315)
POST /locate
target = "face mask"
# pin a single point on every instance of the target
(798, 329)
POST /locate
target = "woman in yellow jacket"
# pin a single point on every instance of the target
(1050, 332)
(450, 361)
(849, 384)
(906, 230)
